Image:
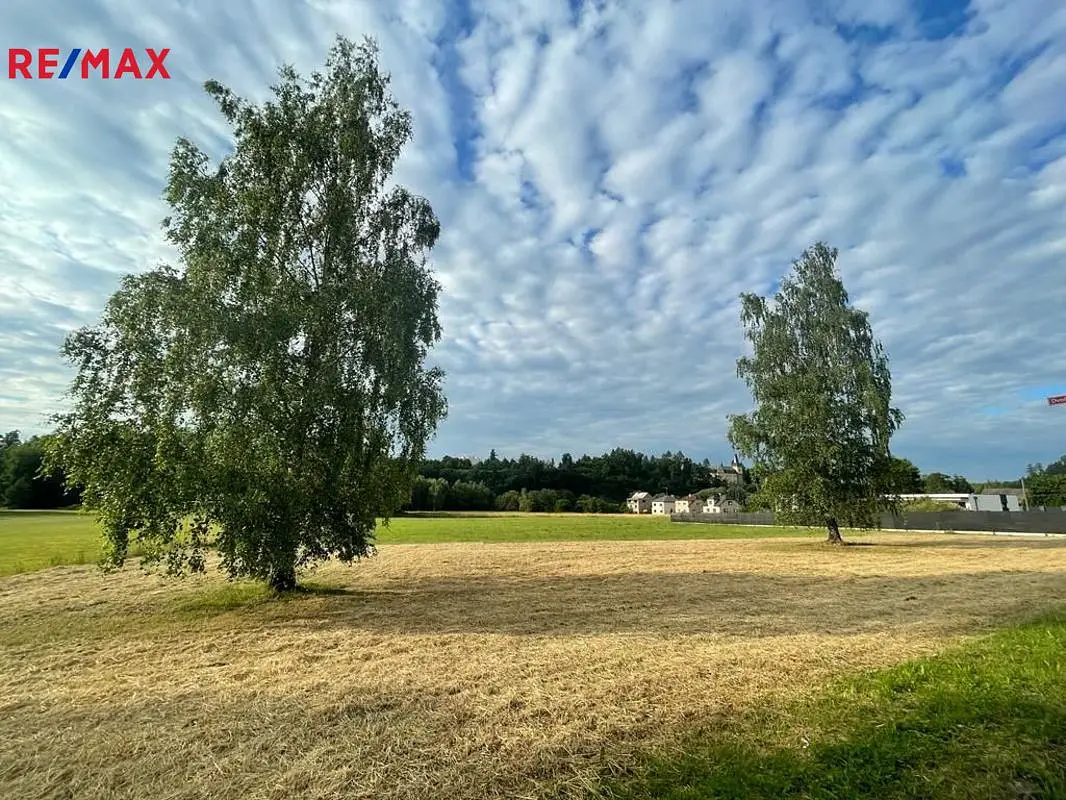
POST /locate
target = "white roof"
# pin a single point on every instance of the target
(941, 496)
(638, 495)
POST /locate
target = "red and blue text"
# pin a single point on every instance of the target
(44, 63)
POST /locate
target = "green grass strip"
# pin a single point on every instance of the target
(986, 720)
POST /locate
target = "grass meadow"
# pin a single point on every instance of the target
(542, 656)
(31, 540)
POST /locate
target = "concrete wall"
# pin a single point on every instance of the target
(1050, 521)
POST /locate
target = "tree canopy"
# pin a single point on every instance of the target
(270, 394)
(823, 417)
(21, 483)
(1054, 468)
(903, 477)
(939, 483)
(1046, 485)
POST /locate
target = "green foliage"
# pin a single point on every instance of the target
(509, 501)
(439, 494)
(1047, 487)
(273, 386)
(546, 500)
(597, 505)
(737, 493)
(563, 505)
(822, 390)
(980, 488)
(435, 494)
(421, 497)
(983, 721)
(468, 496)
(929, 504)
(22, 484)
(1054, 468)
(939, 483)
(760, 501)
(903, 477)
(612, 476)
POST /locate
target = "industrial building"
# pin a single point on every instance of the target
(971, 502)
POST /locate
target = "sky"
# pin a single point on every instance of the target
(609, 176)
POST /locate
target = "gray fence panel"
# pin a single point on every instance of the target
(1048, 521)
(991, 521)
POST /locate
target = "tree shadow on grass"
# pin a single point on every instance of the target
(245, 594)
(314, 589)
(741, 604)
(984, 721)
(323, 590)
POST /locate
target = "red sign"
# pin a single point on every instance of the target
(20, 63)
(1057, 400)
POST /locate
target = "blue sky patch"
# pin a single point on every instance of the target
(461, 107)
(940, 19)
(952, 167)
(1044, 392)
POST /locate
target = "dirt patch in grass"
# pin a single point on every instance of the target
(463, 670)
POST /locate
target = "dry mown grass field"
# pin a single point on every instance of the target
(464, 670)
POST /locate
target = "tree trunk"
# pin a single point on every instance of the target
(283, 579)
(834, 531)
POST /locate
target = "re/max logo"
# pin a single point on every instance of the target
(20, 61)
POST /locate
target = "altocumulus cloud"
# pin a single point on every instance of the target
(610, 176)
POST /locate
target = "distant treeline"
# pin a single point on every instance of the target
(601, 483)
(1046, 485)
(21, 484)
(590, 484)
(436, 494)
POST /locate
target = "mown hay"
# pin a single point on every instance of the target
(463, 671)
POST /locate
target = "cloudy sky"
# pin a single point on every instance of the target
(610, 175)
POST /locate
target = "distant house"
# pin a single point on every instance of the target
(663, 504)
(716, 504)
(689, 504)
(639, 503)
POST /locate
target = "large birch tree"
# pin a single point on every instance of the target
(823, 417)
(269, 396)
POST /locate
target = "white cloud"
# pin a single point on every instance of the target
(635, 167)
